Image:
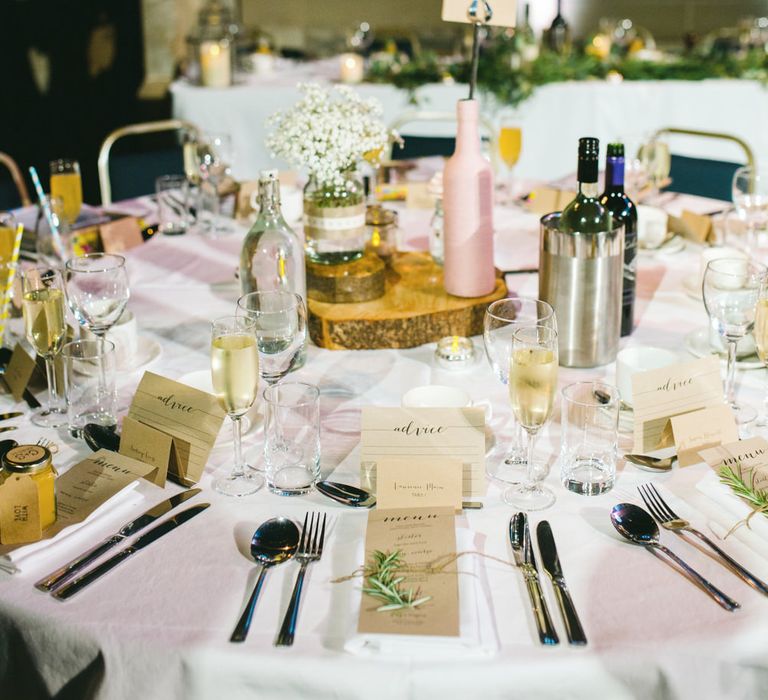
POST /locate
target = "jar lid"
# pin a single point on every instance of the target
(27, 459)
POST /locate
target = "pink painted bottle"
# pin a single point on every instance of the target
(468, 207)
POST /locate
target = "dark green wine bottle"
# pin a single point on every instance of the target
(623, 209)
(585, 214)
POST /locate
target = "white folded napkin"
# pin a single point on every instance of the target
(48, 551)
(477, 636)
(731, 510)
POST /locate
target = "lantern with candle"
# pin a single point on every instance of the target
(211, 47)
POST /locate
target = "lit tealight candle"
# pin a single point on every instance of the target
(455, 352)
(352, 68)
(215, 64)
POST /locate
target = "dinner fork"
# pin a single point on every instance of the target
(669, 520)
(50, 444)
(310, 549)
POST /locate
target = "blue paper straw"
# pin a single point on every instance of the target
(57, 245)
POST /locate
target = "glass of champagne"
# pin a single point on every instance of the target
(510, 145)
(502, 319)
(66, 183)
(761, 341)
(235, 378)
(532, 389)
(46, 330)
(731, 290)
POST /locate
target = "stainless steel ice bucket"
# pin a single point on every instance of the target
(580, 275)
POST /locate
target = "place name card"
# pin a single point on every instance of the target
(151, 446)
(749, 458)
(192, 418)
(19, 371)
(694, 227)
(660, 394)
(701, 430)
(419, 483)
(424, 536)
(544, 200)
(426, 433)
(120, 235)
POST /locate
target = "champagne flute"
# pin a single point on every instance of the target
(235, 378)
(761, 341)
(502, 319)
(45, 328)
(532, 389)
(66, 184)
(731, 289)
(510, 145)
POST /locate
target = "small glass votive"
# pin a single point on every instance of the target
(172, 204)
(89, 384)
(590, 421)
(292, 437)
(381, 231)
(455, 352)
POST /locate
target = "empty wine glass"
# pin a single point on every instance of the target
(97, 290)
(731, 289)
(532, 389)
(215, 167)
(235, 379)
(502, 319)
(280, 319)
(750, 197)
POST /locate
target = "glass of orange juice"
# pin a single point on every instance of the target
(510, 145)
(66, 184)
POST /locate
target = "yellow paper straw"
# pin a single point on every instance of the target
(6, 292)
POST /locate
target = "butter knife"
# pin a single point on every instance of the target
(551, 563)
(154, 534)
(65, 573)
(522, 550)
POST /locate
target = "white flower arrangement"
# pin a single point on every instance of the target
(328, 131)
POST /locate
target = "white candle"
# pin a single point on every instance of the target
(215, 64)
(351, 68)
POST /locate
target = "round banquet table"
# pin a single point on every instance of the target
(158, 626)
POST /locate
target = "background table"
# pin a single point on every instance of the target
(158, 626)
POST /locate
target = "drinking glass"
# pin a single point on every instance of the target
(97, 290)
(281, 330)
(510, 145)
(731, 289)
(502, 319)
(53, 247)
(589, 437)
(66, 183)
(215, 166)
(657, 162)
(235, 378)
(46, 329)
(750, 197)
(89, 384)
(532, 389)
(172, 204)
(761, 341)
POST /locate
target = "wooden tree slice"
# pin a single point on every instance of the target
(414, 310)
(361, 280)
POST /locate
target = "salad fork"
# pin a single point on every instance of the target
(310, 550)
(669, 520)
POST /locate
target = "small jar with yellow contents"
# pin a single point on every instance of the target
(36, 462)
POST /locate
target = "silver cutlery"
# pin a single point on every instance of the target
(6, 428)
(66, 572)
(669, 520)
(636, 525)
(310, 550)
(522, 550)
(12, 414)
(274, 542)
(360, 498)
(551, 563)
(68, 590)
(654, 464)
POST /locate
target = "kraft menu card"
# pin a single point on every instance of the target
(19, 371)
(423, 536)
(89, 484)
(660, 394)
(749, 458)
(191, 417)
(426, 433)
(151, 446)
(702, 429)
(418, 483)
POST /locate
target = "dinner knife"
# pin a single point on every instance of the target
(65, 573)
(551, 563)
(12, 414)
(520, 539)
(154, 534)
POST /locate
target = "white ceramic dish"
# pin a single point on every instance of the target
(147, 351)
(697, 343)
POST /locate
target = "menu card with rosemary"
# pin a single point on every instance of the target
(410, 584)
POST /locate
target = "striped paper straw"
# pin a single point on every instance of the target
(45, 206)
(6, 292)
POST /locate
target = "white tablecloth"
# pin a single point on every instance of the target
(552, 120)
(158, 626)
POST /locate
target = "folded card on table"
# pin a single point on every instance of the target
(418, 483)
(660, 394)
(191, 417)
(432, 433)
(90, 489)
(697, 431)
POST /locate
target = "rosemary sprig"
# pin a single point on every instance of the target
(748, 491)
(383, 581)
